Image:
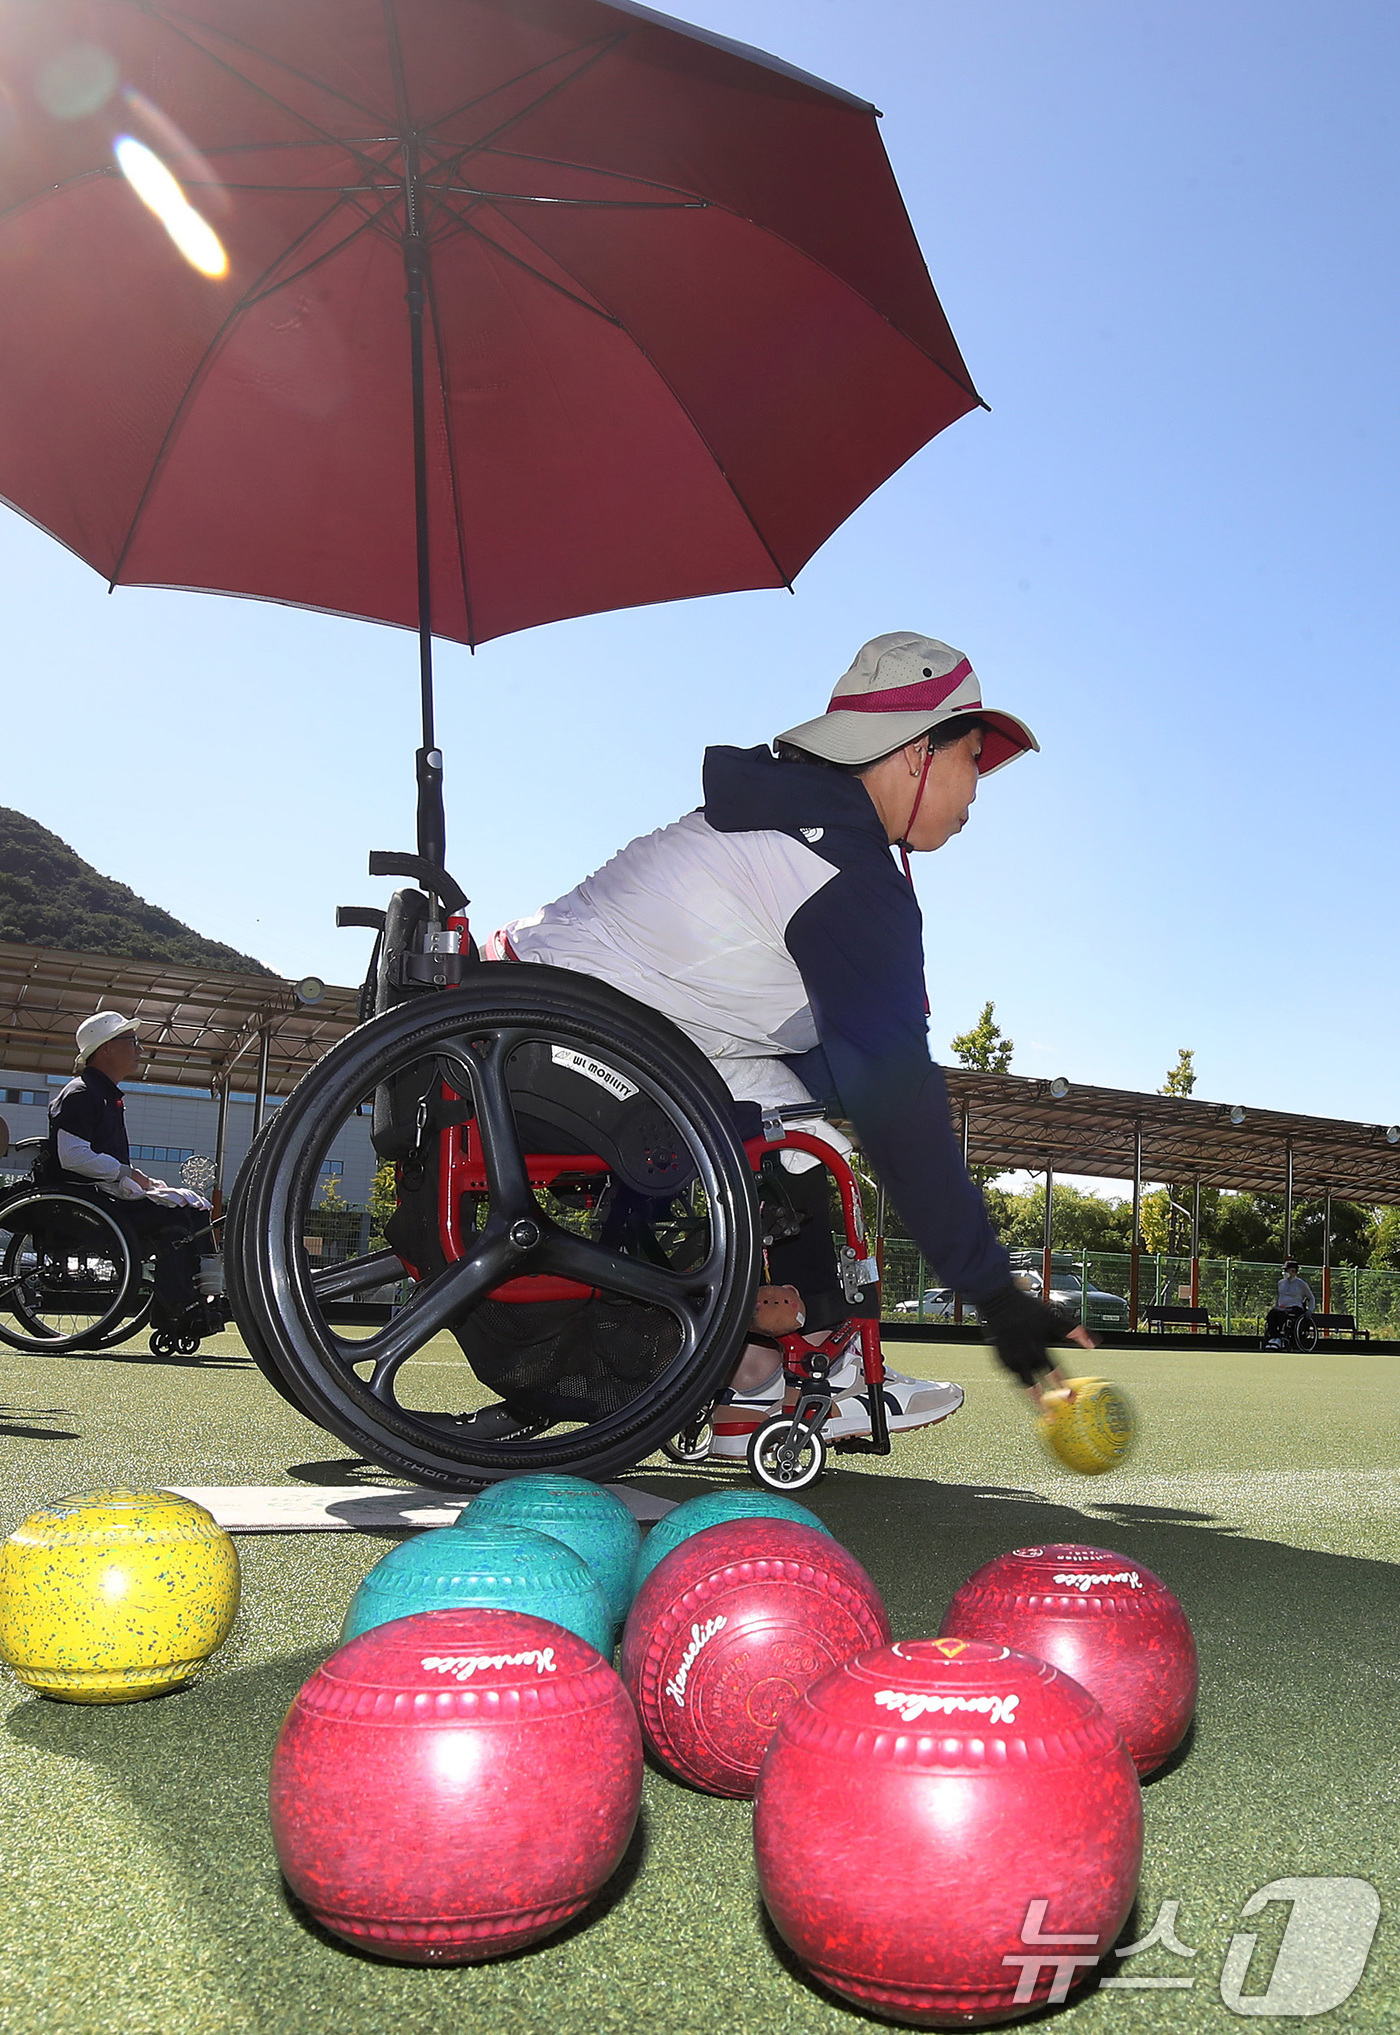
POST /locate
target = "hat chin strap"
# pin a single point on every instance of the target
(914, 814)
(909, 828)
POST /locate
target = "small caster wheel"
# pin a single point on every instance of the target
(691, 1445)
(187, 1345)
(162, 1343)
(779, 1464)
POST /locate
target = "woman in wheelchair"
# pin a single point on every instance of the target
(88, 1149)
(773, 926)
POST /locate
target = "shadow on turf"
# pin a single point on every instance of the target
(1268, 1617)
(195, 1767)
(137, 1352)
(11, 1428)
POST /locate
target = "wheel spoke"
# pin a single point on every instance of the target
(506, 1171)
(440, 1303)
(380, 1268)
(574, 1257)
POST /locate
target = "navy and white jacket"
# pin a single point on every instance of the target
(87, 1134)
(775, 928)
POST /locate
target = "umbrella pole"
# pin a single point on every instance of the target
(432, 820)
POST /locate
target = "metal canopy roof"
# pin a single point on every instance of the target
(1016, 1122)
(195, 1023)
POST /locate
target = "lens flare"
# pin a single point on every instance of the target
(160, 193)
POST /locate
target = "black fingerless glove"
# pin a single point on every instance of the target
(1022, 1329)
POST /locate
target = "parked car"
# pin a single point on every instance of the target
(938, 1305)
(1103, 1310)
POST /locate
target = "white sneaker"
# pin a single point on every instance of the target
(737, 1415)
(909, 1403)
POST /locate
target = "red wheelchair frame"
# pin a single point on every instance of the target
(807, 1405)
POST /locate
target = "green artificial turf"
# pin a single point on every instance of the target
(137, 1881)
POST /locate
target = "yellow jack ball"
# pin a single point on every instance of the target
(115, 1595)
(1089, 1424)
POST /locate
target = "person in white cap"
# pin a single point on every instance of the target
(88, 1145)
(773, 926)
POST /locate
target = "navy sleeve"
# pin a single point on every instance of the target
(859, 946)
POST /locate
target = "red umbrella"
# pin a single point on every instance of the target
(505, 310)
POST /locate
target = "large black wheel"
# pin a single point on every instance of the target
(1304, 1335)
(70, 1278)
(660, 1252)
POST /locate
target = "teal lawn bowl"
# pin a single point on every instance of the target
(592, 1521)
(487, 1567)
(713, 1509)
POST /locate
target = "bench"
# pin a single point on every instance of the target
(1180, 1317)
(1341, 1324)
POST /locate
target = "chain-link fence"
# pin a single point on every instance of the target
(1237, 1292)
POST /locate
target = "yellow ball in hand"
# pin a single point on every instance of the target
(1089, 1424)
(115, 1595)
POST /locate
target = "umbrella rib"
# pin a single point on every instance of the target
(275, 63)
(249, 296)
(569, 296)
(370, 223)
(613, 319)
(598, 50)
(554, 162)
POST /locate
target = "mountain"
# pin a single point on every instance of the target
(50, 897)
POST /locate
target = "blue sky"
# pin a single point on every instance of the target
(1165, 238)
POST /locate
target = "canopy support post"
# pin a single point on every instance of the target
(1196, 1248)
(966, 1133)
(1137, 1225)
(260, 1098)
(1049, 1230)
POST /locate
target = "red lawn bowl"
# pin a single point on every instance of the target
(728, 1630)
(1102, 1618)
(948, 1833)
(455, 1785)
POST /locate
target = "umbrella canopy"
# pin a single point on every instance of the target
(675, 323)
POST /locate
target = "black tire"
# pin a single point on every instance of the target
(767, 1457)
(1305, 1335)
(67, 1269)
(236, 1238)
(466, 1037)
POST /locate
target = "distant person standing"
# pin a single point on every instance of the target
(88, 1146)
(1295, 1297)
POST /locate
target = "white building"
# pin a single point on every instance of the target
(167, 1125)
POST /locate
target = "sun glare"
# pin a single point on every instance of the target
(160, 192)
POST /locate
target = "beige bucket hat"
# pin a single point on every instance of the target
(900, 686)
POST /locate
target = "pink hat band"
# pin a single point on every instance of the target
(908, 699)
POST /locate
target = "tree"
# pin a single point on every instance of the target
(1385, 1240)
(1080, 1222)
(1181, 1079)
(986, 1047)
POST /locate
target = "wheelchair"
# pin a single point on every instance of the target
(71, 1273)
(1298, 1332)
(578, 1228)
(74, 1276)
